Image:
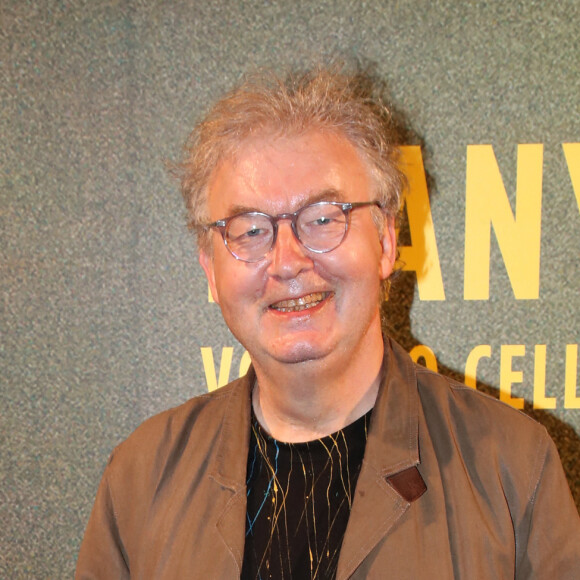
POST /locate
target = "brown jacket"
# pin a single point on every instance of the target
(453, 484)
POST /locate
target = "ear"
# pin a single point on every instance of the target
(206, 262)
(389, 246)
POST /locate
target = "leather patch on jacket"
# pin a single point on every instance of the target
(408, 483)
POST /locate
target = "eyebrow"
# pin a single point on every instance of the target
(330, 194)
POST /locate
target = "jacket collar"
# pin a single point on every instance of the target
(389, 480)
(393, 441)
(228, 469)
(230, 462)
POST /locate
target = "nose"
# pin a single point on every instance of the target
(288, 257)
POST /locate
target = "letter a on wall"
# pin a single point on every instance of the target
(422, 255)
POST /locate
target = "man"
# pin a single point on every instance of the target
(336, 456)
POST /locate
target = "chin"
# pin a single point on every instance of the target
(296, 353)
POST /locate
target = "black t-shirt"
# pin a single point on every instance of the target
(299, 501)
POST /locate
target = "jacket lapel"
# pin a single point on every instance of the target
(389, 480)
(388, 483)
(229, 468)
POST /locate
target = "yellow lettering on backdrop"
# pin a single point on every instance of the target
(479, 352)
(571, 399)
(209, 366)
(424, 352)
(422, 255)
(540, 399)
(487, 204)
(507, 376)
(245, 363)
(572, 154)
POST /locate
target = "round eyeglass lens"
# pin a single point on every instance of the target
(321, 227)
(249, 236)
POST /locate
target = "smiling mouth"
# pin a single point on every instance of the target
(302, 303)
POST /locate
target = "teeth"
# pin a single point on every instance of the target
(302, 303)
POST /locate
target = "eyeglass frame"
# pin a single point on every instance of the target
(346, 207)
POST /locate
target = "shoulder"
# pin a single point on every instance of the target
(486, 436)
(460, 403)
(199, 419)
(449, 404)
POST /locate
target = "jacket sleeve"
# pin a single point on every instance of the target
(102, 555)
(552, 549)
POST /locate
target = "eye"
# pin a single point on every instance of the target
(249, 233)
(249, 229)
(321, 217)
(254, 232)
(254, 228)
(322, 221)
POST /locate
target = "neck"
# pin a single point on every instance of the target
(310, 400)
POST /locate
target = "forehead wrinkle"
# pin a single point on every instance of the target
(330, 194)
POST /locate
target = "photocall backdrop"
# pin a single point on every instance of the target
(105, 312)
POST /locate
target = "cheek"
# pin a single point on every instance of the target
(238, 282)
(354, 272)
(358, 261)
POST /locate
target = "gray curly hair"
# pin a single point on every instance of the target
(329, 99)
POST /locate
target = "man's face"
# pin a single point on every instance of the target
(259, 300)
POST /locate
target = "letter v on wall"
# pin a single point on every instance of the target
(209, 367)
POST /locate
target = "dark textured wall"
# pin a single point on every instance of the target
(104, 307)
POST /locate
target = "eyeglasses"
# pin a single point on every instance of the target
(320, 227)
